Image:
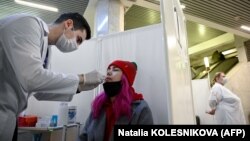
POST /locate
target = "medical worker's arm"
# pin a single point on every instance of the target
(215, 98)
(87, 82)
(23, 49)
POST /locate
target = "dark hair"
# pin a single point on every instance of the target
(79, 22)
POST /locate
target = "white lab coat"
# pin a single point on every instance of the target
(23, 47)
(228, 106)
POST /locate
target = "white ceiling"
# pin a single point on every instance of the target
(9, 7)
(228, 15)
(225, 15)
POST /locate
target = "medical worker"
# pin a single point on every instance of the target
(25, 52)
(225, 105)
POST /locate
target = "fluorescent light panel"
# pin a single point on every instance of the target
(229, 51)
(245, 27)
(157, 2)
(206, 62)
(44, 7)
(183, 6)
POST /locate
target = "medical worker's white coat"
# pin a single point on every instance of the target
(228, 106)
(23, 47)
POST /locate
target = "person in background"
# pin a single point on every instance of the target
(117, 104)
(25, 52)
(225, 105)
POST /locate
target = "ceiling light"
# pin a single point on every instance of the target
(245, 27)
(229, 51)
(49, 8)
(202, 29)
(206, 62)
(183, 6)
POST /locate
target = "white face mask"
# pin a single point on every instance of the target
(224, 81)
(66, 45)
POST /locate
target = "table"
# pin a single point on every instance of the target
(41, 134)
(68, 132)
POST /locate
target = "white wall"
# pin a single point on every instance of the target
(238, 83)
(238, 77)
(201, 92)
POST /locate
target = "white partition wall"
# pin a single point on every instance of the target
(163, 75)
(177, 64)
(201, 92)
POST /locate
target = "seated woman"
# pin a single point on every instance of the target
(117, 104)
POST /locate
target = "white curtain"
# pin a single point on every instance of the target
(145, 47)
